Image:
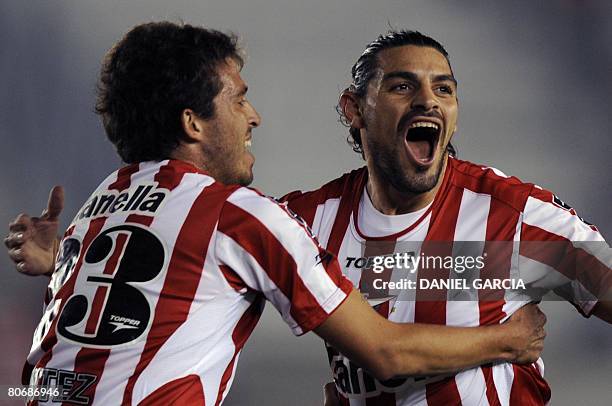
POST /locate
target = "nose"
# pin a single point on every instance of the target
(425, 99)
(254, 118)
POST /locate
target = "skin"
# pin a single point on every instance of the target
(411, 84)
(384, 348)
(218, 145)
(387, 349)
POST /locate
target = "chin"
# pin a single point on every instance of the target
(246, 182)
(420, 181)
(245, 179)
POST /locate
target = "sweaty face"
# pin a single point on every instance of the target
(410, 115)
(229, 159)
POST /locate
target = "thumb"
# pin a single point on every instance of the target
(55, 205)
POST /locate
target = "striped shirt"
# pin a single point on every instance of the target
(475, 204)
(160, 280)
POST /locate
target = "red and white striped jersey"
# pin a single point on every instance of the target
(160, 280)
(474, 203)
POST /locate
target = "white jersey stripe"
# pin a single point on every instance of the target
(472, 387)
(289, 234)
(503, 376)
(558, 221)
(121, 365)
(324, 219)
(258, 280)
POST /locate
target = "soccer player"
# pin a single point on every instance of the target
(163, 273)
(401, 110)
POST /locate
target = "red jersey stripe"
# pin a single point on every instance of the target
(430, 307)
(492, 395)
(343, 217)
(182, 278)
(241, 333)
(559, 253)
(255, 238)
(528, 387)
(123, 178)
(187, 390)
(92, 360)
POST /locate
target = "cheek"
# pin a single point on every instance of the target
(451, 113)
(382, 119)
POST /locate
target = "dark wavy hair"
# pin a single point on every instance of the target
(365, 68)
(150, 76)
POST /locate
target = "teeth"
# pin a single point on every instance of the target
(424, 124)
(247, 143)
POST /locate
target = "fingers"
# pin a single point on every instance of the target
(55, 204)
(22, 267)
(21, 223)
(17, 256)
(13, 240)
(17, 231)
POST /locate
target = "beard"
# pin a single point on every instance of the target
(412, 181)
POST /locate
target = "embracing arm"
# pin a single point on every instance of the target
(390, 349)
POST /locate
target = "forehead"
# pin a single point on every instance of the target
(229, 75)
(412, 58)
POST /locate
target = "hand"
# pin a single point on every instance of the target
(32, 242)
(330, 395)
(526, 329)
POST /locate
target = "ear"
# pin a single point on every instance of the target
(193, 126)
(349, 105)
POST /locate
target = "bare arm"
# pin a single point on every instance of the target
(390, 349)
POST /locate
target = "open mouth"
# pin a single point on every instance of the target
(421, 141)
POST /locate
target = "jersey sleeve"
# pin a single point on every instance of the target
(273, 252)
(560, 251)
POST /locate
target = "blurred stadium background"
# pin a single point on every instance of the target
(534, 88)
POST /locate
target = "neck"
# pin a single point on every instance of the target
(390, 201)
(187, 154)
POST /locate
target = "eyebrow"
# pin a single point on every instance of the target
(414, 78)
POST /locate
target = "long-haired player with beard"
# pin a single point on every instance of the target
(401, 110)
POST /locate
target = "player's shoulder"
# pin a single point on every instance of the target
(333, 189)
(248, 208)
(489, 180)
(247, 195)
(247, 201)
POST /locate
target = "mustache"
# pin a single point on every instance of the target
(414, 113)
